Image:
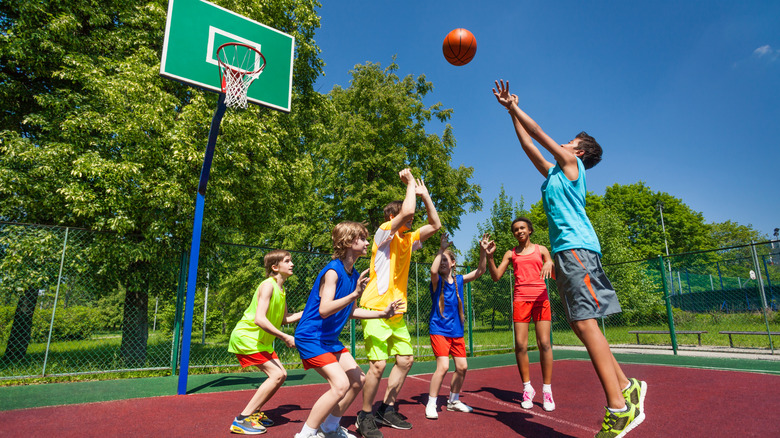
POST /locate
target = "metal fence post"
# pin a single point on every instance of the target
(668, 302)
(763, 296)
(468, 312)
(179, 303)
(54, 308)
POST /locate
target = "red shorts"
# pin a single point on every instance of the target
(322, 360)
(444, 346)
(524, 310)
(247, 360)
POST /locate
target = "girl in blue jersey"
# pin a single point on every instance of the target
(446, 324)
(331, 303)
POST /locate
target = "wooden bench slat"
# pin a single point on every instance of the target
(737, 332)
(698, 333)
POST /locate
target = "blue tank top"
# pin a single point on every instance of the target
(449, 324)
(315, 335)
(564, 205)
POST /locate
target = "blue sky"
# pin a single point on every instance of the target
(683, 95)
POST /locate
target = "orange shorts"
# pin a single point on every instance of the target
(247, 360)
(444, 346)
(322, 360)
(525, 310)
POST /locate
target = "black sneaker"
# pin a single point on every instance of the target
(389, 417)
(366, 425)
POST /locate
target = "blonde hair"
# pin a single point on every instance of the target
(344, 235)
(272, 259)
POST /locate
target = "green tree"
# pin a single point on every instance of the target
(366, 134)
(92, 136)
(637, 206)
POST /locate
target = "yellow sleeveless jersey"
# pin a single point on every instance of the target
(391, 255)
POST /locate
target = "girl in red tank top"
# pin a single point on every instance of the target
(531, 265)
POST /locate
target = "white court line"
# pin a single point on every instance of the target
(518, 409)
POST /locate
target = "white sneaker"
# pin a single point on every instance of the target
(341, 432)
(548, 404)
(458, 406)
(431, 412)
(528, 399)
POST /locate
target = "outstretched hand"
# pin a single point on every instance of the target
(488, 245)
(502, 95)
(362, 282)
(420, 189)
(406, 176)
(445, 241)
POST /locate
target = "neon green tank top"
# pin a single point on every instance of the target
(247, 337)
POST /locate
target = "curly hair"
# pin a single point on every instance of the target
(592, 150)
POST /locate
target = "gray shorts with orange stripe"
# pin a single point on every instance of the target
(585, 290)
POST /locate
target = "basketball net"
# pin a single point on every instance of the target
(238, 68)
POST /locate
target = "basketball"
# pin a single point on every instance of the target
(459, 47)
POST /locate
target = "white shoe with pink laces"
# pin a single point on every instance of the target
(548, 404)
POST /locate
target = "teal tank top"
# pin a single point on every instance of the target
(564, 205)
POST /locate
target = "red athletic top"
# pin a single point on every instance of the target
(529, 286)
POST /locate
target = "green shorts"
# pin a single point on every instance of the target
(386, 337)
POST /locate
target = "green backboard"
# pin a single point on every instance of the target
(196, 28)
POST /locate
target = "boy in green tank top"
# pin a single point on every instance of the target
(252, 340)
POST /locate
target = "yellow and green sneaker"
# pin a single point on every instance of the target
(635, 394)
(618, 424)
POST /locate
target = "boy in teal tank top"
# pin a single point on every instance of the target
(252, 340)
(586, 293)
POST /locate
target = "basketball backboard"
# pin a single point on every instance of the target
(196, 28)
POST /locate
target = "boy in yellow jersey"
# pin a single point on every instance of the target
(391, 254)
(252, 340)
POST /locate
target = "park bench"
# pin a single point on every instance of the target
(731, 344)
(666, 332)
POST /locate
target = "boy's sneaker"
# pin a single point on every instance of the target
(341, 432)
(390, 417)
(261, 418)
(548, 404)
(458, 406)
(430, 412)
(635, 393)
(618, 424)
(528, 399)
(247, 426)
(366, 425)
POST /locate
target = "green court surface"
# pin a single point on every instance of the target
(55, 394)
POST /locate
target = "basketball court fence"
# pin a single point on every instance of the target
(74, 301)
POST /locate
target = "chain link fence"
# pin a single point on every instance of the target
(73, 301)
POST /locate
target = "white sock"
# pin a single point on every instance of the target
(527, 386)
(547, 388)
(627, 386)
(432, 401)
(331, 424)
(308, 431)
(454, 397)
(618, 410)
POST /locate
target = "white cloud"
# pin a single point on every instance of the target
(767, 52)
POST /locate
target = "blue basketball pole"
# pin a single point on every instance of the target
(197, 226)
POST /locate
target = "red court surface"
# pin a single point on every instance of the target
(681, 402)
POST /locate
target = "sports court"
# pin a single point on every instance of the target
(690, 396)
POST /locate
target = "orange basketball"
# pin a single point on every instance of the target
(459, 47)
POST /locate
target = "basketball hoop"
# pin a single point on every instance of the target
(239, 65)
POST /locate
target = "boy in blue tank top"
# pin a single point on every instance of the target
(330, 305)
(585, 290)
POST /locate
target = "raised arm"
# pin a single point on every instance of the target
(497, 272)
(407, 208)
(481, 267)
(434, 224)
(566, 159)
(445, 242)
(261, 317)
